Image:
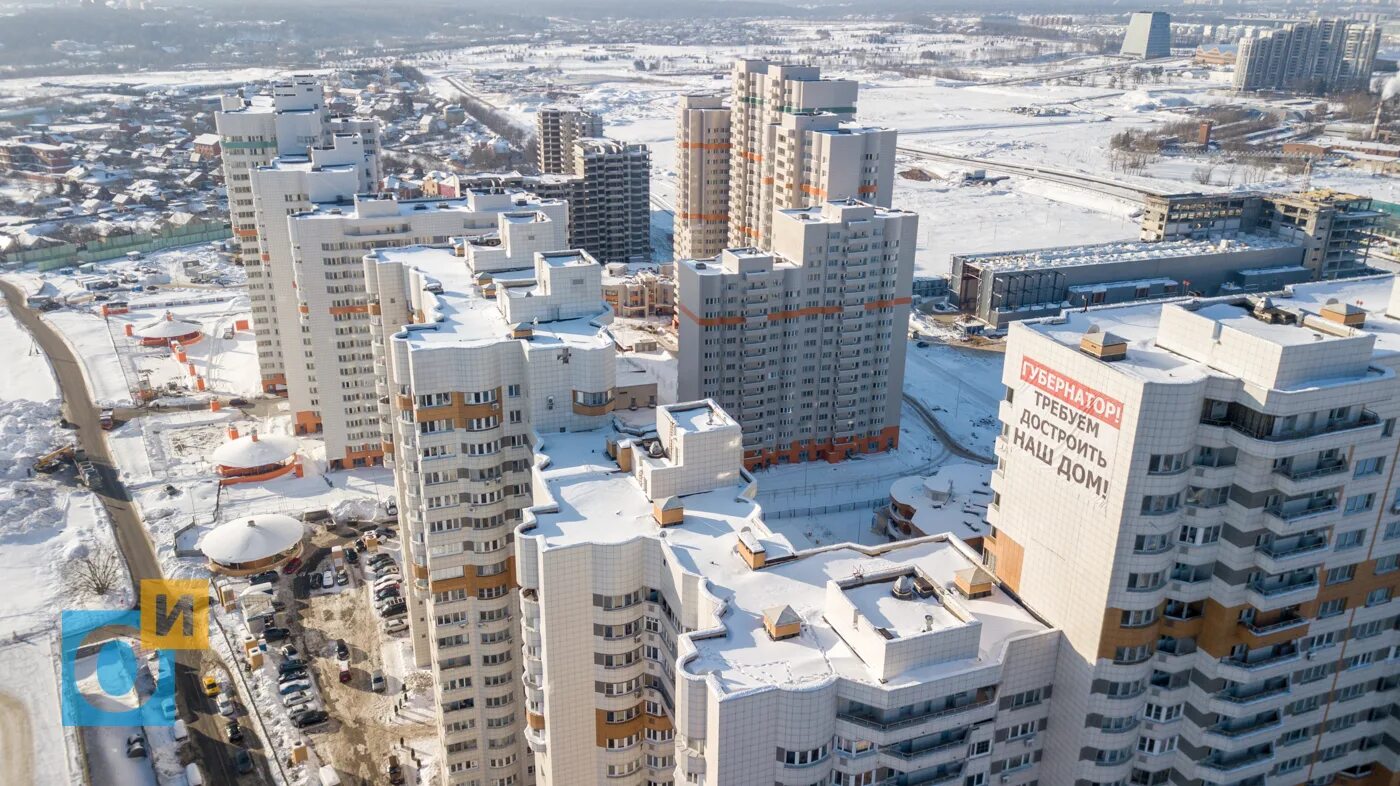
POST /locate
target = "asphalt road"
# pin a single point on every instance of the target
(205, 724)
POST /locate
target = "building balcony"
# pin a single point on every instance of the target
(1241, 696)
(1239, 762)
(1287, 554)
(913, 721)
(1240, 729)
(1287, 518)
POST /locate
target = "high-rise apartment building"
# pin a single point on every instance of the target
(702, 177)
(1317, 55)
(315, 222)
(289, 120)
(804, 345)
(556, 130)
(485, 345)
(790, 148)
(1149, 35)
(1200, 495)
(670, 637)
(611, 217)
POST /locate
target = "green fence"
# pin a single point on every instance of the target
(71, 255)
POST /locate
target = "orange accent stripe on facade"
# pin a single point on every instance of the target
(866, 190)
(704, 145)
(703, 216)
(750, 156)
(768, 181)
(753, 233)
(246, 232)
(709, 322)
(339, 310)
(814, 191)
(899, 301)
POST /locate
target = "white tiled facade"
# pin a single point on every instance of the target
(702, 177)
(648, 656)
(288, 120)
(790, 148)
(473, 378)
(805, 345)
(1218, 476)
(328, 242)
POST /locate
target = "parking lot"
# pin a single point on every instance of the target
(325, 647)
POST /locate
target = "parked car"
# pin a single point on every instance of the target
(395, 625)
(297, 699)
(211, 685)
(342, 650)
(291, 675)
(291, 666)
(136, 747)
(317, 581)
(388, 592)
(352, 556)
(376, 680)
(266, 577)
(243, 762)
(293, 565)
(342, 577)
(345, 673)
(309, 717)
(225, 705)
(380, 558)
(233, 731)
(386, 581)
(290, 652)
(295, 686)
(167, 709)
(328, 578)
(276, 634)
(394, 610)
(394, 771)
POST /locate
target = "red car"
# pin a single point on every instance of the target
(292, 567)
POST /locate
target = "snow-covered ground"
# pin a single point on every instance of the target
(46, 522)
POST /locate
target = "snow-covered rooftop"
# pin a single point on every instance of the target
(167, 327)
(461, 314)
(1140, 324)
(254, 450)
(1118, 251)
(593, 501)
(250, 539)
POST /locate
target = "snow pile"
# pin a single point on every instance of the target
(28, 429)
(1140, 101)
(356, 509)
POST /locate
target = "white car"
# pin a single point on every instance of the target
(395, 625)
(387, 581)
(328, 578)
(297, 699)
(225, 704)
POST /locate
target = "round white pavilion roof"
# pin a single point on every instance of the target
(254, 450)
(167, 327)
(251, 539)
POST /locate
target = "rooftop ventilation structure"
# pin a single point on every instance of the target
(1103, 345)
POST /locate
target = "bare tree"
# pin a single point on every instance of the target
(95, 573)
(1202, 174)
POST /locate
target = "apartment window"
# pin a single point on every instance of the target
(803, 757)
(1020, 761)
(1199, 536)
(1198, 497)
(1331, 608)
(1166, 463)
(1145, 582)
(1137, 618)
(1349, 540)
(1022, 730)
(1109, 757)
(1359, 503)
(1160, 504)
(1151, 544)
(1341, 574)
(1154, 746)
(979, 749)
(1161, 713)
(1369, 466)
(1378, 596)
(1023, 699)
(1119, 690)
(1392, 530)
(1386, 564)
(1132, 654)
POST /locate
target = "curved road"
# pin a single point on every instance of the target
(203, 720)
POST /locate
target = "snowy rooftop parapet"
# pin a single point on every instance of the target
(1117, 251)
